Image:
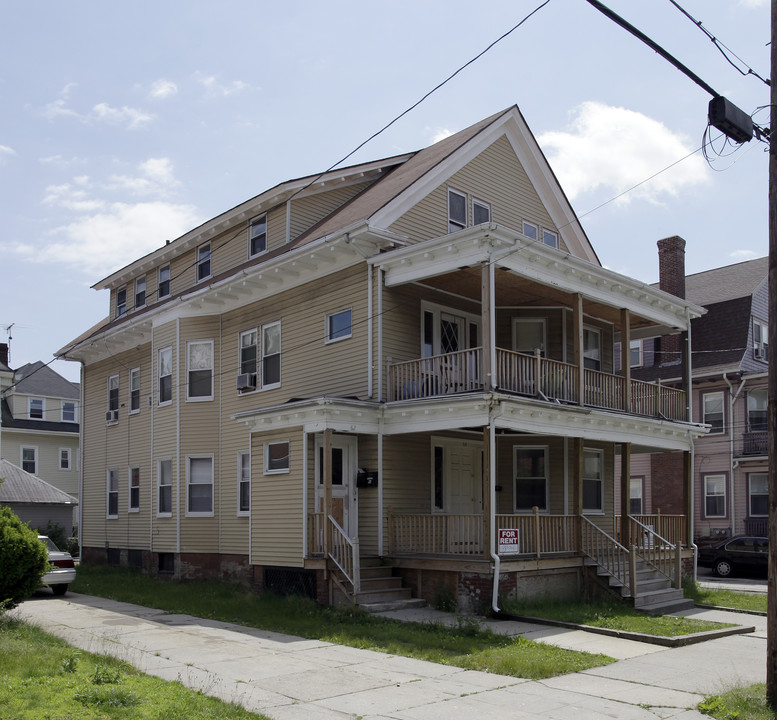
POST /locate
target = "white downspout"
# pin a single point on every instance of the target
(380, 483)
(370, 326)
(492, 509)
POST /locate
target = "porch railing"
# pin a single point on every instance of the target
(344, 553)
(316, 527)
(435, 534)
(671, 527)
(540, 534)
(533, 376)
(656, 551)
(755, 442)
(608, 554)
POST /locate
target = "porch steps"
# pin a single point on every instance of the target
(654, 593)
(380, 590)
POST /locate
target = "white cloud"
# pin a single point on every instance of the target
(156, 177)
(5, 153)
(163, 88)
(72, 197)
(742, 255)
(439, 134)
(214, 87)
(101, 112)
(99, 243)
(614, 149)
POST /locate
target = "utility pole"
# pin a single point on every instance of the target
(771, 622)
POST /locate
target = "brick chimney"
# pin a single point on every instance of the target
(4, 354)
(671, 279)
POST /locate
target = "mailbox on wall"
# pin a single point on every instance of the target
(366, 478)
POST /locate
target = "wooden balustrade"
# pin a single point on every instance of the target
(344, 552)
(436, 375)
(541, 534)
(604, 390)
(315, 534)
(656, 550)
(608, 553)
(436, 534)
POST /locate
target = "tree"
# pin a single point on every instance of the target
(23, 560)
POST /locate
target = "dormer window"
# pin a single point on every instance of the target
(257, 236)
(121, 301)
(760, 340)
(203, 262)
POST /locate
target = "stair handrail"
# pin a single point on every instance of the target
(344, 553)
(659, 553)
(607, 553)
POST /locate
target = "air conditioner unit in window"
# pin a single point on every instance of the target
(246, 381)
(112, 416)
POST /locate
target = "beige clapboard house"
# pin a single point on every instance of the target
(402, 368)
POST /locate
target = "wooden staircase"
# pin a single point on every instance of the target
(379, 589)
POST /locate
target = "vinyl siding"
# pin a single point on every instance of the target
(307, 211)
(48, 456)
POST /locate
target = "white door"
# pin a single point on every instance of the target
(344, 493)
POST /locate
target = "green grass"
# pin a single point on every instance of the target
(43, 678)
(465, 645)
(611, 615)
(745, 703)
(725, 598)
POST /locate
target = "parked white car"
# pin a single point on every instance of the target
(63, 569)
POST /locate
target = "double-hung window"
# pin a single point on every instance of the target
(164, 506)
(64, 459)
(714, 496)
(113, 399)
(35, 409)
(636, 493)
(134, 489)
(529, 335)
(271, 355)
(68, 411)
(257, 236)
(199, 496)
(756, 410)
(199, 370)
(531, 478)
(29, 456)
(481, 212)
(338, 325)
(121, 301)
(758, 489)
(760, 340)
(712, 409)
(165, 367)
(248, 351)
(593, 481)
(243, 483)
(140, 292)
(203, 262)
(592, 349)
(457, 211)
(276, 457)
(134, 382)
(112, 493)
(163, 288)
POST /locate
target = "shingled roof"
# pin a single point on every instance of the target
(19, 486)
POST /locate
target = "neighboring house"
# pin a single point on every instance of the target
(39, 426)
(408, 360)
(730, 368)
(35, 501)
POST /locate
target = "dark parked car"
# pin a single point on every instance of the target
(745, 555)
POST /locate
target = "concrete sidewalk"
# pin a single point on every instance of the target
(288, 678)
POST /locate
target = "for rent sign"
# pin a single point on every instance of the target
(508, 542)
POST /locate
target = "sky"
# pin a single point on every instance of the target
(124, 125)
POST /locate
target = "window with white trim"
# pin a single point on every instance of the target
(550, 238)
(592, 348)
(712, 411)
(199, 485)
(257, 236)
(140, 292)
(756, 410)
(203, 262)
(121, 301)
(276, 457)
(199, 370)
(112, 415)
(593, 481)
(243, 483)
(271, 355)
(134, 386)
(64, 459)
(758, 493)
(760, 340)
(635, 353)
(165, 370)
(636, 492)
(163, 286)
(134, 490)
(530, 469)
(164, 506)
(35, 408)
(529, 334)
(338, 325)
(715, 496)
(530, 230)
(29, 459)
(481, 212)
(457, 210)
(68, 411)
(112, 493)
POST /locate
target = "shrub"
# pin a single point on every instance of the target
(23, 560)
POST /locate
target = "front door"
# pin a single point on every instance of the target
(344, 494)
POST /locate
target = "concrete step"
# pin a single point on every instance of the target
(669, 608)
(380, 583)
(374, 607)
(659, 583)
(657, 597)
(383, 595)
